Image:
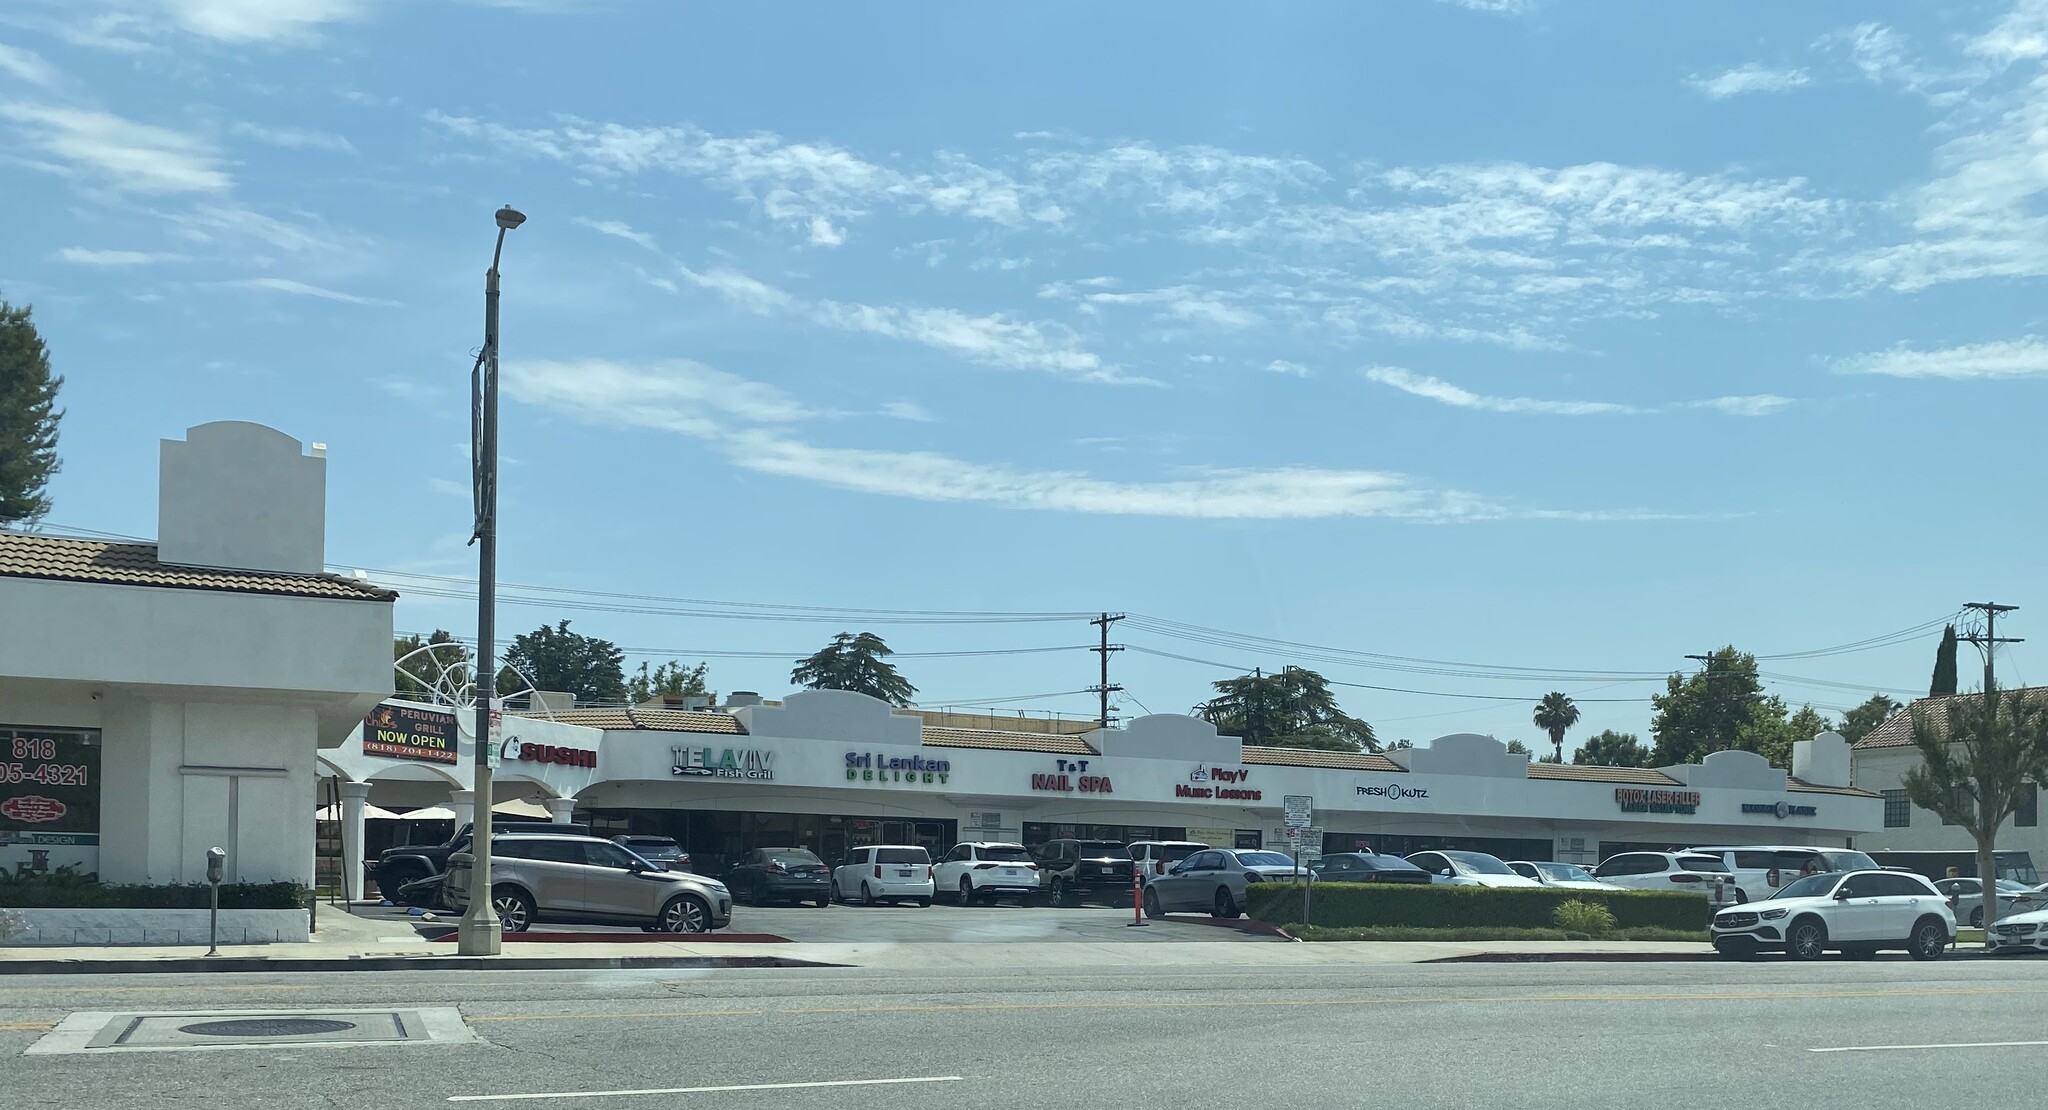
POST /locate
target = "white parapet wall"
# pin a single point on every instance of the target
(70, 928)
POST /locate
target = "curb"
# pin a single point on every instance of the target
(194, 965)
(1578, 958)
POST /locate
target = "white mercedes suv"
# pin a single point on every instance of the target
(1853, 912)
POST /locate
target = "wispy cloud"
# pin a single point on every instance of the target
(749, 293)
(993, 340)
(294, 138)
(909, 410)
(618, 230)
(301, 289)
(83, 256)
(254, 21)
(675, 395)
(1496, 7)
(1436, 389)
(129, 156)
(1753, 404)
(26, 65)
(1754, 77)
(2026, 357)
(1282, 366)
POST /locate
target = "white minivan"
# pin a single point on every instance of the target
(877, 873)
(1760, 869)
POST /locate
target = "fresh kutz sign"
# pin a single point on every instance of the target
(723, 763)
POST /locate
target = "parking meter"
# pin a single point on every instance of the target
(216, 870)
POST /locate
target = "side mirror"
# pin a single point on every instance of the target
(635, 866)
(1842, 894)
(1444, 874)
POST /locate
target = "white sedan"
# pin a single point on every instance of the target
(1469, 869)
(2022, 932)
(1564, 876)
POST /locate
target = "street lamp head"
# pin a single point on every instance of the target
(510, 217)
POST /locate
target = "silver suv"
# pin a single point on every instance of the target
(586, 880)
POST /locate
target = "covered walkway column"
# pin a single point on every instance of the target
(463, 802)
(560, 809)
(354, 795)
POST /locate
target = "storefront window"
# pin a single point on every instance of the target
(718, 840)
(1036, 833)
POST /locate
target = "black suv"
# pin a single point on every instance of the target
(1074, 871)
(409, 863)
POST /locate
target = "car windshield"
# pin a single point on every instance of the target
(1848, 861)
(2009, 887)
(1702, 863)
(1004, 853)
(1264, 859)
(656, 850)
(1172, 853)
(1103, 849)
(798, 857)
(1812, 886)
(1478, 863)
(1386, 863)
(902, 855)
(1564, 872)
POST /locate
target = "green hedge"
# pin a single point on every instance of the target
(1317, 932)
(71, 891)
(1436, 906)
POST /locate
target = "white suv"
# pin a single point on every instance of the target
(1855, 913)
(985, 872)
(1760, 869)
(885, 873)
(1692, 872)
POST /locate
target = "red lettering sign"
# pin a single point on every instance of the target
(549, 753)
(33, 809)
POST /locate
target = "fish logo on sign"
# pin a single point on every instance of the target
(34, 809)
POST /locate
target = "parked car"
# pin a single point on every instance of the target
(979, 871)
(1567, 876)
(656, 849)
(1074, 871)
(1153, 857)
(585, 880)
(1856, 913)
(2026, 931)
(1468, 869)
(793, 875)
(1214, 880)
(878, 873)
(1696, 872)
(1760, 869)
(1365, 867)
(408, 864)
(1967, 896)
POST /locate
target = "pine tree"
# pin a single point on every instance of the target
(28, 419)
(1944, 665)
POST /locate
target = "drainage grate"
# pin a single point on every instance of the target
(266, 1027)
(219, 1029)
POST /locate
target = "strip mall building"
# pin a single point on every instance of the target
(829, 770)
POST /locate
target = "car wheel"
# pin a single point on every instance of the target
(966, 892)
(1929, 939)
(1152, 908)
(867, 895)
(924, 903)
(1977, 918)
(514, 908)
(1058, 897)
(824, 903)
(1806, 940)
(388, 884)
(1226, 906)
(685, 913)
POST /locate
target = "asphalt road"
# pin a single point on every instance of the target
(1422, 1036)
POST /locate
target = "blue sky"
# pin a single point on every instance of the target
(1540, 335)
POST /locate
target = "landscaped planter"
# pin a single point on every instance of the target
(77, 928)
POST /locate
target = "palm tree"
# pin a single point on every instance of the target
(1556, 714)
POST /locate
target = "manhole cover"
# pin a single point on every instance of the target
(266, 1027)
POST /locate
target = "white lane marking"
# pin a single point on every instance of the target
(712, 1090)
(1918, 1047)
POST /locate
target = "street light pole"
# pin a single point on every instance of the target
(481, 933)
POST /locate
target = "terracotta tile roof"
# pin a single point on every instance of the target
(1897, 732)
(628, 719)
(1797, 787)
(103, 562)
(1307, 757)
(1006, 741)
(1645, 776)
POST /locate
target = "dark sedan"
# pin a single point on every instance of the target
(1365, 867)
(791, 875)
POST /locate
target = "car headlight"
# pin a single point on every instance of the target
(1772, 915)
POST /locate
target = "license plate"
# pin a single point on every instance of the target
(1012, 873)
(903, 873)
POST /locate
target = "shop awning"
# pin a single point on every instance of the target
(430, 813)
(335, 812)
(520, 807)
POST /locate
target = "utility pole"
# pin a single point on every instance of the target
(1989, 640)
(1105, 689)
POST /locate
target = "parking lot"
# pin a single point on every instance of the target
(942, 923)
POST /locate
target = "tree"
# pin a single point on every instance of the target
(444, 666)
(1612, 749)
(1944, 665)
(1719, 706)
(670, 680)
(1772, 734)
(1976, 760)
(1553, 757)
(28, 419)
(1858, 722)
(857, 663)
(1291, 709)
(1516, 747)
(558, 659)
(1556, 714)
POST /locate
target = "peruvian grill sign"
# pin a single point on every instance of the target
(410, 732)
(49, 799)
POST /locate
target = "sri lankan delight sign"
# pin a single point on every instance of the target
(49, 799)
(410, 732)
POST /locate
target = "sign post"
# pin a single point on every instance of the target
(1298, 813)
(216, 868)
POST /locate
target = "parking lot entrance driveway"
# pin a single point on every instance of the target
(843, 924)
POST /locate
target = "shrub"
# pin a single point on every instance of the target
(1578, 916)
(1436, 906)
(1452, 936)
(69, 890)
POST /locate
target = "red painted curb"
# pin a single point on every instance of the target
(633, 938)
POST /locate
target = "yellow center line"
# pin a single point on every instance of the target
(27, 1026)
(1225, 1004)
(72, 988)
